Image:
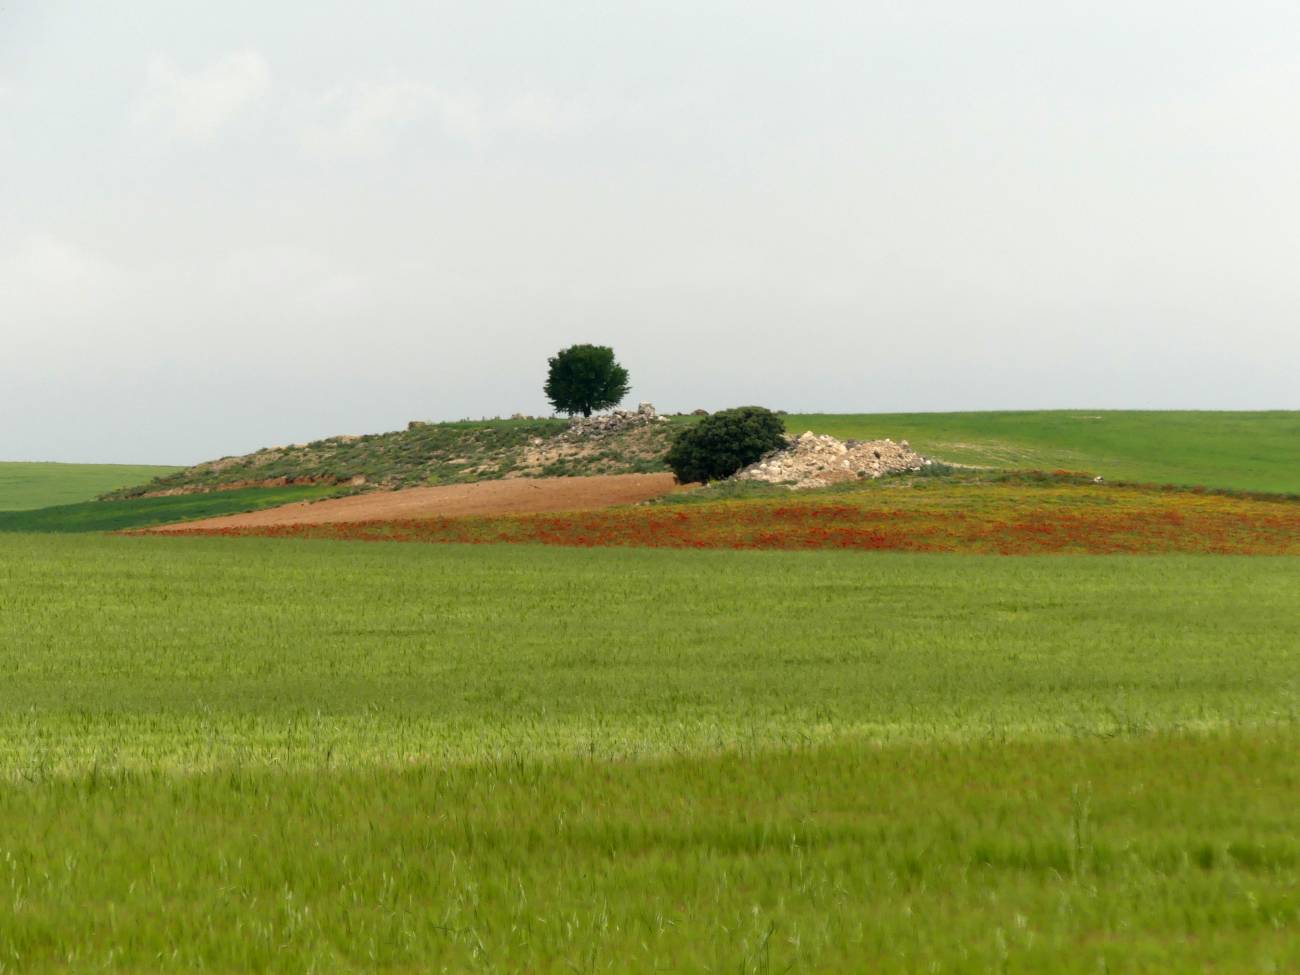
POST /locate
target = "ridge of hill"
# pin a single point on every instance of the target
(427, 454)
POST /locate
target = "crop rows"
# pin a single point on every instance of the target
(242, 754)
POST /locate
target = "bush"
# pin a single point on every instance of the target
(721, 444)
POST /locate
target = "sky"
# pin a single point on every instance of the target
(232, 225)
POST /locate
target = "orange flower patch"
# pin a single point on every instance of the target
(990, 518)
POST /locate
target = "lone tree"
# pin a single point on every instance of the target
(583, 378)
(721, 444)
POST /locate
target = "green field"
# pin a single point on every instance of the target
(238, 754)
(26, 485)
(1251, 451)
(104, 516)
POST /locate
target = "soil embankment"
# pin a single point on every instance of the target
(503, 497)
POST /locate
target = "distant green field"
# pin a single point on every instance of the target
(1251, 451)
(31, 485)
(241, 754)
(96, 516)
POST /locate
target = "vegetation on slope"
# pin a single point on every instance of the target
(429, 453)
(24, 485)
(1257, 451)
(98, 516)
(1247, 451)
(257, 756)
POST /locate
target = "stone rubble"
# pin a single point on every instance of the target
(810, 460)
(581, 427)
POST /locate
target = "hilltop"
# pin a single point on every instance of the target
(437, 453)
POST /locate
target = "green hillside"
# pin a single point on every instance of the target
(39, 485)
(1248, 451)
(433, 453)
(1251, 451)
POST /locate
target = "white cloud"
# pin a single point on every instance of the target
(366, 119)
(194, 107)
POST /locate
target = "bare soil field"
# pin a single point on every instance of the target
(514, 496)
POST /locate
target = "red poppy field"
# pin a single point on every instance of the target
(1022, 516)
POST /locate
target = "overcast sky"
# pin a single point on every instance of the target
(227, 225)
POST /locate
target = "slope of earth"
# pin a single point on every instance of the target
(1257, 451)
(24, 485)
(427, 454)
(516, 495)
(972, 513)
(337, 757)
(99, 516)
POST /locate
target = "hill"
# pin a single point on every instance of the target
(1245, 451)
(1256, 451)
(24, 486)
(433, 453)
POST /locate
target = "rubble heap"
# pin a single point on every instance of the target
(810, 461)
(581, 427)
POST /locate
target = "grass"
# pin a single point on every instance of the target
(99, 516)
(240, 754)
(967, 513)
(432, 453)
(30, 485)
(1174, 853)
(1251, 451)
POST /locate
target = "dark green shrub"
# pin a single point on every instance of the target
(721, 444)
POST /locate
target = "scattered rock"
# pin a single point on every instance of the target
(810, 460)
(619, 421)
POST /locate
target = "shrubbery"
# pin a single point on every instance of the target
(721, 444)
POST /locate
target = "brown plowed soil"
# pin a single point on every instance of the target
(515, 496)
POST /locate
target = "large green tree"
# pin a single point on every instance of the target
(584, 378)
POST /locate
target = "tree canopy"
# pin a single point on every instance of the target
(584, 378)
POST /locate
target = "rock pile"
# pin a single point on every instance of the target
(581, 427)
(810, 460)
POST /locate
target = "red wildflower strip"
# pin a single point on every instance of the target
(970, 518)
